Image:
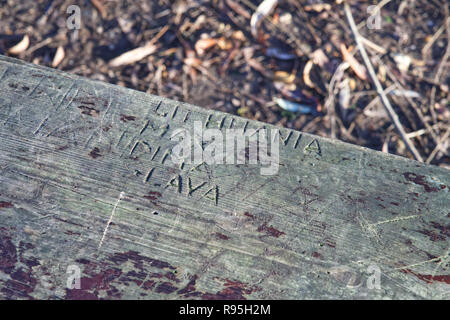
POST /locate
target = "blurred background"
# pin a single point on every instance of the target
(292, 63)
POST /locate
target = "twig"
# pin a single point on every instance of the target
(305, 50)
(441, 65)
(375, 11)
(392, 114)
(414, 105)
(101, 9)
(430, 43)
(374, 46)
(439, 146)
(41, 44)
(329, 102)
(421, 132)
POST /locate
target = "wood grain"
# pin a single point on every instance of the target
(86, 181)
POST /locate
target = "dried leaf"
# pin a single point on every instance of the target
(204, 44)
(293, 107)
(279, 54)
(286, 18)
(134, 55)
(291, 92)
(405, 93)
(239, 35)
(192, 62)
(286, 89)
(224, 44)
(59, 56)
(264, 9)
(385, 147)
(318, 7)
(358, 68)
(248, 52)
(238, 8)
(352, 84)
(306, 73)
(99, 6)
(255, 64)
(403, 62)
(284, 76)
(21, 46)
(231, 55)
(242, 111)
(320, 58)
(344, 98)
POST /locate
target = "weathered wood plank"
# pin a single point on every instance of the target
(86, 181)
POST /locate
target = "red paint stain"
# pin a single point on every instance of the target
(23, 281)
(221, 236)
(153, 195)
(8, 254)
(89, 111)
(430, 278)
(190, 287)
(74, 294)
(148, 285)
(445, 230)
(271, 231)
(95, 153)
(165, 287)
(249, 215)
(234, 290)
(330, 243)
(433, 235)
(420, 180)
(139, 260)
(126, 118)
(4, 204)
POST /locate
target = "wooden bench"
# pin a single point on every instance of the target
(87, 188)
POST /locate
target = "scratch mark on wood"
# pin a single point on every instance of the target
(164, 128)
(285, 140)
(231, 123)
(122, 135)
(207, 120)
(156, 152)
(144, 127)
(299, 136)
(221, 122)
(395, 220)
(245, 127)
(419, 263)
(64, 96)
(175, 182)
(215, 197)
(313, 146)
(4, 73)
(40, 125)
(174, 112)
(186, 117)
(122, 194)
(166, 154)
(193, 189)
(148, 175)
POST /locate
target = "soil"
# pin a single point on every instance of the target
(206, 54)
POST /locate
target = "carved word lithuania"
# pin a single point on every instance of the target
(213, 146)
